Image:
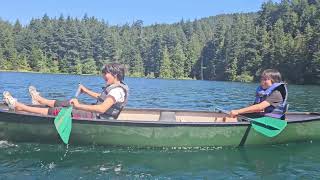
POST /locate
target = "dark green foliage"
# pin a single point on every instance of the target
(165, 69)
(177, 62)
(89, 66)
(236, 47)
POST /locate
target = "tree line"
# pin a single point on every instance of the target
(235, 47)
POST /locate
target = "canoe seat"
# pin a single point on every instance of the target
(167, 116)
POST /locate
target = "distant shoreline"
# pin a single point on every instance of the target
(132, 76)
(89, 74)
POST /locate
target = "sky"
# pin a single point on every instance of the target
(119, 12)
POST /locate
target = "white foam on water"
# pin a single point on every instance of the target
(117, 169)
(49, 166)
(52, 165)
(103, 169)
(65, 153)
(105, 152)
(6, 144)
(77, 150)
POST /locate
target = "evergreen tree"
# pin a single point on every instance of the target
(23, 63)
(165, 69)
(89, 67)
(53, 65)
(192, 56)
(78, 66)
(177, 62)
(17, 28)
(153, 65)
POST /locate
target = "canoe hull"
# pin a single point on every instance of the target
(32, 128)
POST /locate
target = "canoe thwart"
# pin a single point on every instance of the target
(167, 116)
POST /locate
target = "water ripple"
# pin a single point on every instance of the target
(158, 93)
(42, 161)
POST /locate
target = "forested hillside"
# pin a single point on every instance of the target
(235, 47)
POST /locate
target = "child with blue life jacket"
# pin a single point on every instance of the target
(270, 100)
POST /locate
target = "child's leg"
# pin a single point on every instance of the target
(44, 101)
(38, 99)
(25, 108)
(51, 102)
(14, 104)
(53, 111)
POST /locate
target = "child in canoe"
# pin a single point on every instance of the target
(271, 98)
(109, 104)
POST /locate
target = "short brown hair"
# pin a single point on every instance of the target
(115, 69)
(272, 74)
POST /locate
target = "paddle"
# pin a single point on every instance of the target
(267, 126)
(63, 122)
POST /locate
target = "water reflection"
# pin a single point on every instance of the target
(279, 161)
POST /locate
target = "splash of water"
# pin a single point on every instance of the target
(6, 144)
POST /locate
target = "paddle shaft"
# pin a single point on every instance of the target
(242, 117)
(249, 120)
(78, 91)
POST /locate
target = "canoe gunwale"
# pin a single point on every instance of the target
(39, 119)
(119, 122)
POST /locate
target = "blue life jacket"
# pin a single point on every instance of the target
(278, 111)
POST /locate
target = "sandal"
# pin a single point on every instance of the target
(34, 93)
(9, 100)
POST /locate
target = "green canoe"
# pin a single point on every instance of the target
(156, 128)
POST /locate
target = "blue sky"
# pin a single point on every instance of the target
(122, 11)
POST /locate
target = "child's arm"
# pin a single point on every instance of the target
(89, 92)
(99, 108)
(251, 109)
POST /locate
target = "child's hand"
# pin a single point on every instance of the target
(234, 113)
(74, 102)
(83, 89)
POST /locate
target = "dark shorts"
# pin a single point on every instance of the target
(253, 115)
(58, 105)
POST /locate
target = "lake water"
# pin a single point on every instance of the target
(43, 161)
